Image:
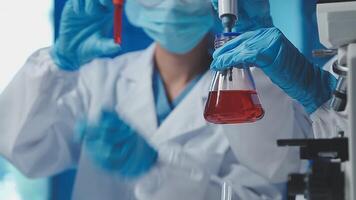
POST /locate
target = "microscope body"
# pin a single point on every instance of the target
(332, 173)
(337, 30)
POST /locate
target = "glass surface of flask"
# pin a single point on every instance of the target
(232, 97)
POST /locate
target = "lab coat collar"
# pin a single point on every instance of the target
(138, 109)
(187, 116)
(184, 119)
(141, 69)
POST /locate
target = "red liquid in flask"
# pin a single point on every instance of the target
(233, 106)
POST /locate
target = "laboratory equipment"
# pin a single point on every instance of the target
(226, 191)
(118, 15)
(325, 180)
(253, 15)
(339, 98)
(228, 13)
(337, 30)
(232, 97)
(270, 51)
(333, 172)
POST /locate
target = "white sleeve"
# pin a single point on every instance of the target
(327, 123)
(180, 176)
(38, 112)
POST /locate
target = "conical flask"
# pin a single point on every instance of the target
(232, 97)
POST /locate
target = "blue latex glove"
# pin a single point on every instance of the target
(116, 147)
(271, 51)
(85, 33)
(253, 14)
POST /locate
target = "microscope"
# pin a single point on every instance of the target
(332, 173)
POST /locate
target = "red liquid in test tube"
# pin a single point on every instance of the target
(118, 15)
(233, 106)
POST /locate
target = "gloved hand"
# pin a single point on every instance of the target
(271, 51)
(85, 33)
(116, 147)
(253, 14)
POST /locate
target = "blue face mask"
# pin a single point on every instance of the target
(177, 25)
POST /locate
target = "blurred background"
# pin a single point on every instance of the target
(35, 25)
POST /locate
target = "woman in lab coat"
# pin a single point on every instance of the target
(42, 105)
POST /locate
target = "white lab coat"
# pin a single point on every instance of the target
(40, 107)
(326, 122)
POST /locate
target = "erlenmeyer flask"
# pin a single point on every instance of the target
(232, 97)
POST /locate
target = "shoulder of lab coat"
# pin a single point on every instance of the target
(327, 123)
(27, 109)
(41, 105)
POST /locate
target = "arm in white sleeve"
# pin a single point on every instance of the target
(182, 177)
(327, 122)
(38, 112)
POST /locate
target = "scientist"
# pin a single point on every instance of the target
(133, 125)
(269, 50)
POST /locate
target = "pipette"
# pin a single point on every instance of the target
(118, 15)
(228, 13)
